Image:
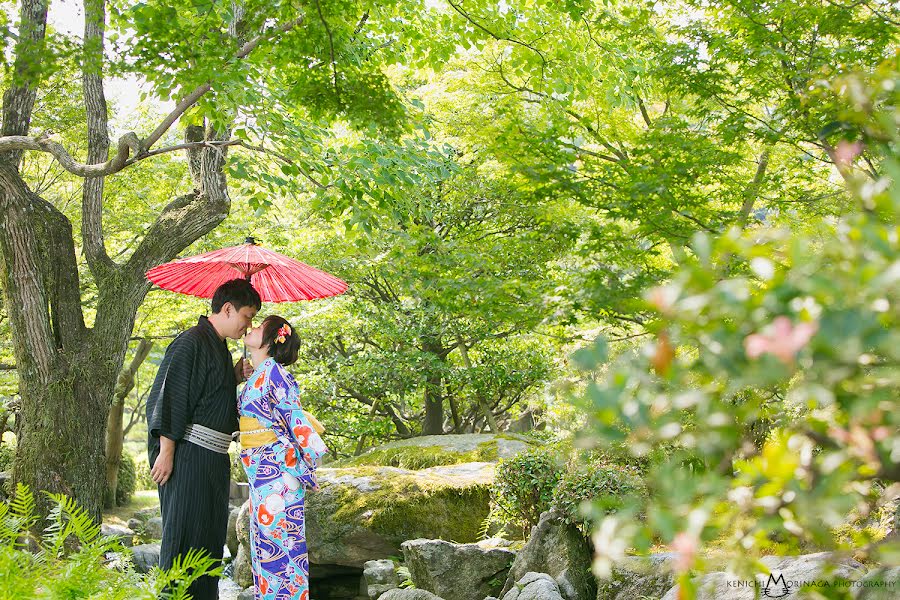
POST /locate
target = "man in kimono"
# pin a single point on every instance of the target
(191, 414)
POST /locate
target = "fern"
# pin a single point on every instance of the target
(173, 583)
(485, 526)
(72, 558)
(66, 519)
(17, 517)
(405, 577)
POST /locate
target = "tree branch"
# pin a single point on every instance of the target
(200, 90)
(129, 144)
(753, 188)
(97, 137)
(468, 18)
(644, 113)
(337, 91)
(18, 100)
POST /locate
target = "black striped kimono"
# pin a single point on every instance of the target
(195, 384)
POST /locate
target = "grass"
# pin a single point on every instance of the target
(140, 500)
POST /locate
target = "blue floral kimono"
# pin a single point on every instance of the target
(279, 474)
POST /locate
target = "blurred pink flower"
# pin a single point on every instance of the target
(783, 340)
(686, 547)
(845, 152)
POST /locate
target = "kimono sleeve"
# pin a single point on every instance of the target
(294, 429)
(176, 378)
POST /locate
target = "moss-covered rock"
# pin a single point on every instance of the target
(638, 577)
(437, 450)
(365, 513)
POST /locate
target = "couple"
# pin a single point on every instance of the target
(192, 411)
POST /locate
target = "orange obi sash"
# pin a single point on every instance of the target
(254, 434)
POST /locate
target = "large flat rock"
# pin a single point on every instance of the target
(365, 513)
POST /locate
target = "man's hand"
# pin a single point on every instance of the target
(162, 466)
(242, 370)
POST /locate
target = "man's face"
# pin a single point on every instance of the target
(239, 321)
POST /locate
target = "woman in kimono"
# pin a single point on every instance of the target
(279, 450)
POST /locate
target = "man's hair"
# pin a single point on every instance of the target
(239, 292)
(285, 352)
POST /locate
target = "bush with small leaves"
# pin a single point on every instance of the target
(586, 493)
(127, 479)
(523, 487)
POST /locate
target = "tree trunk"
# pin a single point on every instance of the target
(67, 373)
(434, 400)
(454, 411)
(479, 401)
(114, 432)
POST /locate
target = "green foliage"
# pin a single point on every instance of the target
(70, 559)
(773, 372)
(126, 482)
(582, 487)
(587, 492)
(405, 578)
(142, 478)
(237, 470)
(7, 456)
(524, 487)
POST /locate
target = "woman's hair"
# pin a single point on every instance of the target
(284, 352)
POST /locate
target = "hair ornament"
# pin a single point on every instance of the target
(283, 333)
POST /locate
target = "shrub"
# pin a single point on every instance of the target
(586, 493)
(7, 456)
(773, 374)
(237, 469)
(523, 487)
(125, 484)
(142, 478)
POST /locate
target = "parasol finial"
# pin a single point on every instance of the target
(250, 240)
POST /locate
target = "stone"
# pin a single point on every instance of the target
(229, 590)
(436, 450)
(457, 571)
(365, 513)
(380, 576)
(231, 537)
(534, 586)
(409, 594)
(242, 524)
(880, 584)
(558, 549)
(638, 577)
(808, 567)
(145, 514)
(119, 532)
(238, 492)
(145, 557)
(242, 567)
(247, 594)
(135, 524)
(154, 528)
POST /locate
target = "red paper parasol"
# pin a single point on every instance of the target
(276, 277)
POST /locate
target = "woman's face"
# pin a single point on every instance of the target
(255, 337)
